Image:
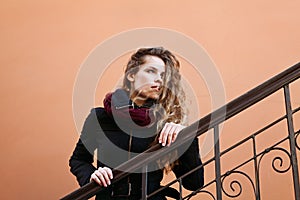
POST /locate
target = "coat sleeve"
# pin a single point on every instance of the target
(81, 161)
(189, 160)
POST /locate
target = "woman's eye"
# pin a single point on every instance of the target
(150, 71)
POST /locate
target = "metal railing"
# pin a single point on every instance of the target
(212, 121)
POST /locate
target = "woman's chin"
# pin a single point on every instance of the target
(153, 96)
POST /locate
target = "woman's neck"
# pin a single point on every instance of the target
(137, 100)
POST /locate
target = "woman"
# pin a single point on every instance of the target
(147, 110)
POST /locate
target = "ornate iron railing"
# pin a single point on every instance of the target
(216, 188)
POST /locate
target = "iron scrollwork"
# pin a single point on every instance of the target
(296, 139)
(235, 182)
(277, 158)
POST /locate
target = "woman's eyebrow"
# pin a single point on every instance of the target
(151, 67)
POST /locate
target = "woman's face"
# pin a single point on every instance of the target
(147, 82)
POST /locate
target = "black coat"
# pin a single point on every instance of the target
(102, 133)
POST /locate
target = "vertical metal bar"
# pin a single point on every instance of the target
(290, 125)
(217, 162)
(257, 182)
(180, 188)
(144, 182)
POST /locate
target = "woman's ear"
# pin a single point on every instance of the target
(130, 77)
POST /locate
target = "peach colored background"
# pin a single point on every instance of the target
(43, 44)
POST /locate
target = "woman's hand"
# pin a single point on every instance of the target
(169, 133)
(102, 176)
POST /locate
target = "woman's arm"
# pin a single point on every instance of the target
(189, 160)
(82, 158)
(81, 163)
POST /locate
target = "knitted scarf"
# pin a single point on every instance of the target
(121, 108)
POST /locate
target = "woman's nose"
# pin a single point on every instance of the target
(158, 78)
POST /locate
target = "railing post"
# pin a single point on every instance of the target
(180, 188)
(291, 131)
(257, 181)
(217, 162)
(144, 182)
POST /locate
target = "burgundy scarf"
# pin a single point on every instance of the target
(120, 107)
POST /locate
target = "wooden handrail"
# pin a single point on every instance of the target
(196, 129)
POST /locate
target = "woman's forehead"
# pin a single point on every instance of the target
(154, 61)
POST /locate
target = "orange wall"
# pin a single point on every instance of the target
(43, 44)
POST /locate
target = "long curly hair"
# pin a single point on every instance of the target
(171, 103)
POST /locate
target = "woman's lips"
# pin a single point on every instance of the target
(155, 87)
